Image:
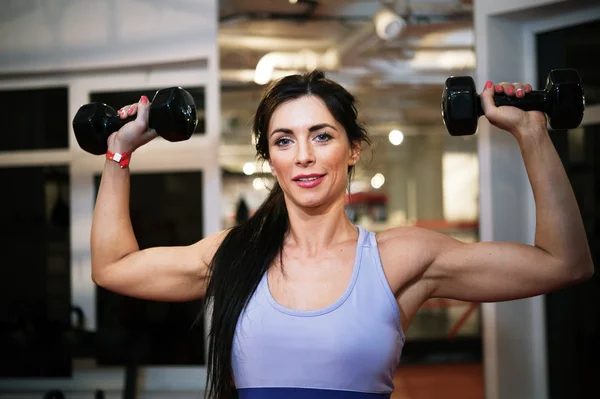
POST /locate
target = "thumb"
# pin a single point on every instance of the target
(487, 99)
(143, 113)
(143, 119)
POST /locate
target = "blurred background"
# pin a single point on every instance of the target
(62, 336)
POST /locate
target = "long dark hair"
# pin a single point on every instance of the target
(250, 247)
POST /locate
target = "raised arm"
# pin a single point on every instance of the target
(161, 273)
(500, 271)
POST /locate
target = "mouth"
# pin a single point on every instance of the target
(308, 181)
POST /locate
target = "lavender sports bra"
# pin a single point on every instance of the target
(349, 349)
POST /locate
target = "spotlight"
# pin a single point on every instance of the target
(388, 24)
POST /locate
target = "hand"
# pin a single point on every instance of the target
(133, 134)
(512, 119)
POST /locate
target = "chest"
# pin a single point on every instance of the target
(279, 346)
(311, 282)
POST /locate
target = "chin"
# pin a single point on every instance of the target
(314, 200)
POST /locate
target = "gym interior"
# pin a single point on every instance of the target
(61, 336)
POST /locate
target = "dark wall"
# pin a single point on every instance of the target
(573, 313)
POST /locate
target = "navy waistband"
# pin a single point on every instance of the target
(306, 393)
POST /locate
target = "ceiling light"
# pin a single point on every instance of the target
(388, 24)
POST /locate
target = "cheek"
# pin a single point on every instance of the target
(279, 162)
(338, 159)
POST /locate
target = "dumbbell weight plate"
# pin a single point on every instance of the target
(91, 125)
(459, 105)
(173, 114)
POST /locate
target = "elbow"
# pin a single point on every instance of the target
(96, 278)
(582, 271)
(589, 271)
(98, 275)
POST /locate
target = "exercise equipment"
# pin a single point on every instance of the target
(562, 100)
(172, 116)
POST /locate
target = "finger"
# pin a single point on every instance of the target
(498, 88)
(528, 88)
(143, 111)
(126, 111)
(519, 89)
(508, 88)
(132, 109)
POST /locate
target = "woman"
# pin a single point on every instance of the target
(306, 304)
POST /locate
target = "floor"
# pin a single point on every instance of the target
(447, 381)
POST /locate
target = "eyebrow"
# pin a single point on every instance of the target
(311, 129)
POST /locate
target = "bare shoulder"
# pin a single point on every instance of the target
(406, 252)
(207, 246)
(406, 255)
(410, 241)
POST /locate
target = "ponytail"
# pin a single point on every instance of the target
(235, 271)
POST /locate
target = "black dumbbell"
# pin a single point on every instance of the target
(172, 116)
(562, 101)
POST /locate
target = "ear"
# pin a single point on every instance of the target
(355, 150)
(273, 172)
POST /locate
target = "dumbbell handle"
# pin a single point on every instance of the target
(114, 123)
(530, 102)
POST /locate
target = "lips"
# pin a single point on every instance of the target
(308, 181)
(308, 177)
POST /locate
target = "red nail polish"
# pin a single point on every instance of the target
(144, 99)
(488, 84)
(510, 90)
(498, 88)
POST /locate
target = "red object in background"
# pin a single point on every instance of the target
(367, 198)
(440, 224)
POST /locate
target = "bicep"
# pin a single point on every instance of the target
(168, 274)
(491, 271)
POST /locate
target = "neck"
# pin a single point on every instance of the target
(315, 229)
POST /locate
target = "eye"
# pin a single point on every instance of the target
(323, 137)
(282, 141)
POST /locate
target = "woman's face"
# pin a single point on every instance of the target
(309, 152)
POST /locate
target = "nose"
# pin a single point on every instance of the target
(304, 155)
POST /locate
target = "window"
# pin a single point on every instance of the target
(35, 296)
(34, 119)
(166, 210)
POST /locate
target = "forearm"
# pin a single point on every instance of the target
(559, 226)
(112, 236)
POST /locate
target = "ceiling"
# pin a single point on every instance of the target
(398, 82)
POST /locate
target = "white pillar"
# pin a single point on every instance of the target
(514, 332)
